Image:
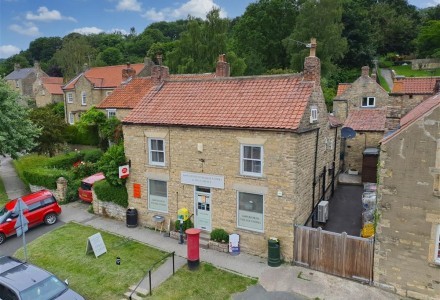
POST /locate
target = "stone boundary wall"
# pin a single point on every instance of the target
(59, 193)
(108, 209)
(424, 64)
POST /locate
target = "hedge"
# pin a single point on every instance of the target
(90, 136)
(92, 155)
(28, 162)
(45, 177)
(65, 161)
(109, 193)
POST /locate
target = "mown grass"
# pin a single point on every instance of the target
(27, 162)
(62, 252)
(3, 195)
(408, 72)
(208, 282)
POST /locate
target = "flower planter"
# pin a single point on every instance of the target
(221, 247)
(353, 172)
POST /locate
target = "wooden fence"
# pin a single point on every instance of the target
(334, 253)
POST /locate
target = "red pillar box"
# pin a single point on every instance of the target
(192, 243)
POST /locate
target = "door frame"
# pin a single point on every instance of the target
(196, 193)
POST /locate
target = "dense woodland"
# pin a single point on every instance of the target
(269, 38)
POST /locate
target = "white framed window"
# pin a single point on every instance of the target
(437, 245)
(157, 195)
(71, 118)
(83, 98)
(250, 211)
(251, 160)
(368, 102)
(313, 114)
(69, 97)
(17, 83)
(156, 152)
(111, 113)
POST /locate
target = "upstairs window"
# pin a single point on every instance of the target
(69, 97)
(251, 160)
(83, 98)
(157, 152)
(368, 102)
(313, 114)
(111, 113)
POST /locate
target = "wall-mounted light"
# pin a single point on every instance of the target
(200, 147)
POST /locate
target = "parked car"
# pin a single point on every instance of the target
(23, 281)
(85, 190)
(42, 208)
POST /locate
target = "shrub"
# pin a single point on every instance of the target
(28, 162)
(110, 162)
(109, 193)
(186, 224)
(72, 189)
(84, 169)
(220, 235)
(87, 136)
(44, 177)
(64, 161)
(92, 155)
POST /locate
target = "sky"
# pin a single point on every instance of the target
(22, 21)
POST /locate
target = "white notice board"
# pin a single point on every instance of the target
(96, 244)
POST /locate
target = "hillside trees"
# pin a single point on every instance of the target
(428, 40)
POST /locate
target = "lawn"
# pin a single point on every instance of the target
(407, 72)
(3, 195)
(207, 282)
(62, 252)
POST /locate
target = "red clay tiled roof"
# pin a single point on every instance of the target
(128, 96)
(334, 122)
(414, 85)
(192, 76)
(272, 102)
(366, 119)
(420, 110)
(342, 87)
(53, 85)
(416, 113)
(104, 77)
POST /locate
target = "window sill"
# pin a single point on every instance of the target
(245, 230)
(251, 177)
(157, 166)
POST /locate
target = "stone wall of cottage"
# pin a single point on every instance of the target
(121, 113)
(409, 211)
(286, 182)
(405, 103)
(355, 147)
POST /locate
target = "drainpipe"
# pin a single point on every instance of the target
(314, 176)
(334, 161)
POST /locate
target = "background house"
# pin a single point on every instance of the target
(243, 154)
(407, 257)
(92, 86)
(362, 106)
(23, 79)
(48, 90)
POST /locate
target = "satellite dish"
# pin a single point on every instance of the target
(348, 133)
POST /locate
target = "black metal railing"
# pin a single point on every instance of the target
(149, 273)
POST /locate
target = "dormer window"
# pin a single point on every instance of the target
(368, 102)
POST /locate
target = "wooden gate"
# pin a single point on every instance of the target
(334, 253)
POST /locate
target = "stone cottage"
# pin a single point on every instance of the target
(93, 85)
(48, 90)
(240, 153)
(407, 247)
(22, 79)
(362, 106)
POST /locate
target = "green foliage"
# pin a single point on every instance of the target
(58, 109)
(111, 193)
(110, 162)
(84, 169)
(27, 162)
(72, 189)
(64, 161)
(220, 235)
(87, 136)
(185, 225)
(111, 56)
(92, 155)
(17, 132)
(111, 129)
(44, 176)
(428, 39)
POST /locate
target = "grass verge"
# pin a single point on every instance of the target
(383, 82)
(408, 72)
(208, 282)
(3, 195)
(62, 252)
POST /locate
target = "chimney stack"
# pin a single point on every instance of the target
(437, 86)
(159, 74)
(17, 67)
(128, 73)
(159, 59)
(365, 71)
(312, 65)
(222, 69)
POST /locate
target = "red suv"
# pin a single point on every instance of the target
(42, 208)
(85, 190)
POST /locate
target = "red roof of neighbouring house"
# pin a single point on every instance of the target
(415, 114)
(342, 87)
(266, 102)
(334, 122)
(53, 84)
(414, 85)
(104, 77)
(366, 119)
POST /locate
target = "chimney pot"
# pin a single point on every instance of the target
(128, 73)
(312, 47)
(312, 65)
(159, 59)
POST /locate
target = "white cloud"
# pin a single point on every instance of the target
(130, 5)
(88, 30)
(27, 28)
(46, 15)
(195, 8)
(8, 50)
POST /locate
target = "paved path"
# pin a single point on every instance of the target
(386, 74)
(13, 184)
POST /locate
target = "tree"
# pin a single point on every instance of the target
(42, 49)
(321, 19)
(17, 132)
(258, 34)
(110, 162)
(52, 130)
(111, 56)
(428, 40)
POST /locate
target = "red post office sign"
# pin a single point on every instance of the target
(124, 171)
